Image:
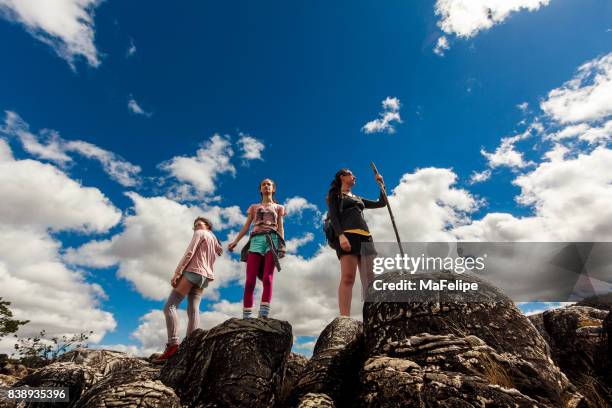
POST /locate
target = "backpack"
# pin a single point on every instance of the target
(328, 230)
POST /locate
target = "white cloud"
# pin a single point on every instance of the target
(201, 171)
(465, 18)
(570, 199)
(442, 46)
(36, 198)
(39, 193)
(6, 154)
(154, 237)
(250, 147)
(55, 149)
(295, 207)
(51, 150)
(124, 172)
(136, 109)
(507, 155)
(570, 131)
(388, 117)
(586, 97)
(294, 244)
(479, 177)
(557, 153)
(65, 25)
(523, 106)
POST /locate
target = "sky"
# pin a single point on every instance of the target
(120, 122)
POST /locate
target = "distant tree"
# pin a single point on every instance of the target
(8, 325)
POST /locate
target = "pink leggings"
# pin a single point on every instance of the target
(254, 261)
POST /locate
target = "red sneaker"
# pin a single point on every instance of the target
(170, 350)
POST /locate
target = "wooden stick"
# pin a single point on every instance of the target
(384, 193)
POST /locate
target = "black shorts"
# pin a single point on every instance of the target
(356, 240)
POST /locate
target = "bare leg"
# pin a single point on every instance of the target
(348, 268)
(184, 286)
(366, 274)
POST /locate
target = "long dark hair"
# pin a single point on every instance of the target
(336, 185)
(273, 193)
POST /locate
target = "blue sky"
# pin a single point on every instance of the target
(297, 82)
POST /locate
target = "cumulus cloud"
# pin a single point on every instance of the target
(295, 207)
(294, 244)
(136, 109)
(65, 25)
(49, 145)
(6, 154)
(570, 190)
(200, 172)
(153, 239)
(37, 198)
(34, 192)
(388, 118)
(250, 147)
(586, 97)
(466, 18)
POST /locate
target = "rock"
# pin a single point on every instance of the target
(454, 352)
(334, 366)
(7, 381)
(293, 371)
(103, 361)
(138, 387)
(178, 366)
(313, 400)
(580, 347)
(13, 369)
(79, 370)
(239, 363)
(602, 302)
(78, 378)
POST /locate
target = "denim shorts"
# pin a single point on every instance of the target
(199, 281)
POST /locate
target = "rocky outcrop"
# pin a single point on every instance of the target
(334, 366)
(239, 363)
(453, 351)
(482, 352)
(102, 378)
(130, 388)
(579, 343)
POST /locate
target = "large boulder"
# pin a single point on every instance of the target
(579, 344)
(239, 363)
(458, 351)
(138, 387)
(334, 366)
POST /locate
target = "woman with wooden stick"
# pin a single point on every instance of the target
(345, 211)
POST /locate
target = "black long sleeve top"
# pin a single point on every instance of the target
(351, 216)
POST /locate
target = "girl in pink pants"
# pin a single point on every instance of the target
(265, 247)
